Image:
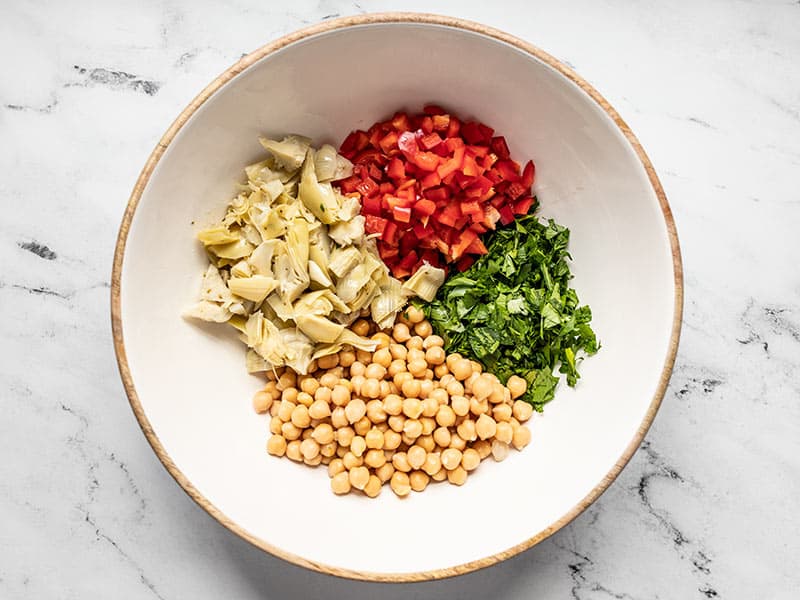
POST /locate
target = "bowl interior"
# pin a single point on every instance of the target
(191, 379)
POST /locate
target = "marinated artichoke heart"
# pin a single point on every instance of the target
(291, 266)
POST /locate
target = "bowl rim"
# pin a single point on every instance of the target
(249, 60)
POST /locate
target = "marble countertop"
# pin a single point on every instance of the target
(705, 509)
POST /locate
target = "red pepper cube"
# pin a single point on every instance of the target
(471, 132)
(460, 247)
(453, 164)
(437, 194)
(506, 215)
(427, 161)
(515, 190)
(508, 169)
(371, 206)
(441, 122)
(407, 142)
(373, 224)
(386, 188)
(401, 122)
(427, 124)
(425, 207)
(430, 180)
(523, 205)
(453, 143)
(401, 214)
(391, 233)
(430, 141)
(388, 141)
(500, 147)
(528, 174)
(454, 128)
(470, 167)
(396, 169)
(367, 187)
(476, 247)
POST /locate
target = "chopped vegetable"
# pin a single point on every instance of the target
(514, 312)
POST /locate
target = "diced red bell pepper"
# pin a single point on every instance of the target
(389, 141)
(425, 207)
(348, 185)
(430, 141)
(449, 215)
(433, 109)
(441, 122)
(386, 188)
(423, 233)
(500, 147)
(401, 122)
(407, 142)
(402, 214)
(371, 206)
(391, 234)
(396, 169)
(470, 167)
(476, 247)
(374, 224)
(452, 165)
(460, 246)
(437, 194)
(471, 132)
(523, 205)
(454, 128)
(465, 262)
(528, 174)
(515, 190)
(453, 143)
(470, 208)
(367, 187)
(508, 170)
(427, 124)
(427, 161)
(506, 215)
(430, 180)
(368, 156)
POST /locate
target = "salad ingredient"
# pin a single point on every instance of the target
(431, 185)
(514, 312)
(290, 264)
(393, 415)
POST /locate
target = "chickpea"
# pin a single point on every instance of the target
(435, 355)
(319, 410)
(286, 380)
(414, 343)
(522, 410)
(417, 368)
(375, 412)
(335, 467)
(451, 458)
(374, 438)
(397, 366)
(415, 354)
(452, 359)
(521, 437)
(498, 394)
(359, 476)
(501, 412)
(383, 341)
(460, 405)
(393, 404)
(374, 458)
(381, 358)
(355, 409)
(412, 428)
(398, 351)
(397, 423)
(391, 440)
(485, 427)
(371, 388)
(440, 475)
(517, 386)
(430, 407)
(426, 386)
(305, 399)
(305, 434)
(272, 388)
(457, 476)
(341, 451)
(338, 417)
(514, 423)
(290, 431)
(499, 450)
(300, 417)
(400, 332)
(440, 371)
(293, 450)
(385, 472)
(285, 410)
(400, 483)
(385, 388)
(433, 462)
(462, 369)
(346, 358)
(476, 367)
(439, 395)
(340, 394)
(432, 341)
(457, 442)
(416, 456)
(423, 329)
(482, 387)
(418, 480)
(412, 407)
(345, 435)
(454, 388)
(323, 433)
(350, 461)
(478, 407)
(400, 462)
(275, 425)
(445, 416)
(276, 445)
(340, 483)
(470, 459)
(483, 448)
(328, 362)
(428, 425)
(375, 371)
(504, 433)
(362, 426)
(358, 445)
(262, 401)
(357, 368)
(466, 430)
(442, 436)
(323, 394)
(273, 410)
(411, 389)
(360, 327)
(400, 378)
(414, 314)
(373, 487)
(328, 450)
(309, 448)
(426, 441)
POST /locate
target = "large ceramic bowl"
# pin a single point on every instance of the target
(188, 386)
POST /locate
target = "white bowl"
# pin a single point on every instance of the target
(188, 386)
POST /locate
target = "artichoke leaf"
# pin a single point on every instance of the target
(239, 249)
(289, 152)
(215, 236)
(343, 260)
(254, 288)
(425, 282)
(319, 329)
(207, 311)
(347, 232)
(319, 198)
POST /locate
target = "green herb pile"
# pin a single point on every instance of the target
(514, 312)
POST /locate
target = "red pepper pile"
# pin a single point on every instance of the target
(430, 185)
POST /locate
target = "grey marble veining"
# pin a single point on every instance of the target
(705, 509)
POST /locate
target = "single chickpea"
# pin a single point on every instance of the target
(415, 355)
(397, 422)
(441, 436)
(433, 462)
(319, 410)
(514, 423)
(323, 433)
(360, 327)
(328, 362)
(400, 462)
(273, 410)
(423, 329)
(414, 314)
(350, 460)
(375, 371)
(287, 380)
(498, 394)
(478, 407)
(400, 483)
(381, 358)
(440, 475)
(276, 445)
(522, 410)
(338, 417)
(383, 341)
(428, 425)
(374, 438)
(275, 425)
(426, 386)
(397, 366)
(362, 426)
(391, 440)
(385, 388)
(309, 385)
(393, 404)
(262, 401)
(440, 371)
(426, 441)
(504, 433)
(454, 388)
(293, 451)
(328, 450)
(467, 430)
(460, 405)
(499, 450)
(430, 407)
(412, 407)
(501, 412)
(375, 412)
(457, 442)
(272, 389)
(432, 341)
(305, 434)
(373, 487)
(335, 467)
(341, 451)
(411, 388)
(305, 399)
(439, 395)
(323, 394)
(346, 358)
(457, 476)
(340, 483)
(400, 378)
(412, 428)
(371, 388)
(485, 427)
(414, 343)
(445, 416)
(358, 445)
(417, 368)
(309, 448)
(521, 438)
(374, 458)
(400, 332)
(359, 476)
(285, 410)
(434, 355)
(416, 456)
(385, 472)
(482, 387)
(451, 458)
(462, 369)
(418, 480)
(357, 368)
(300, 417)
(340, 395)
(344, 436)
(452, 359)
(290, 431)
(355, 409)
(398, 351)
(476, 367)
(470, 459)
(483, 448)
(517, 386)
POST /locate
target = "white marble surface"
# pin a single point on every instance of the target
(707, 507)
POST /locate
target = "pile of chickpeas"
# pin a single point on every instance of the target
(406, 414)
